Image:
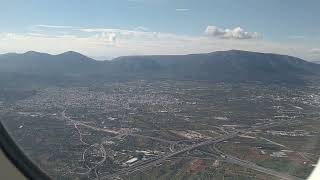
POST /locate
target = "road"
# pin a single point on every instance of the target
(213, 141)
(234, 160)
(158, 160)
(78, 123)
(250, 165)
(87, 126)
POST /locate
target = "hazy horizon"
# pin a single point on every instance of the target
(147, 27)
(101, 58)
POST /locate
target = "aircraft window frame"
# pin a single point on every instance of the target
(18, 158)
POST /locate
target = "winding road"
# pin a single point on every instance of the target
(158, 160)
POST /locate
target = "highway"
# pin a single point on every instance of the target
(158, 160)
(234, 160)
(213, 141)
(250, 165)
(78, 123)
(87, 126)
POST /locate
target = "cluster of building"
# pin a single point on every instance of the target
(189, 134)
(294, 133)
(95, 100)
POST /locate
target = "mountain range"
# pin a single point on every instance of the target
(220, 66)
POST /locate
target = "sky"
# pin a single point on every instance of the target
(105, 29)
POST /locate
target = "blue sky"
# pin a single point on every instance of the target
(110, 28)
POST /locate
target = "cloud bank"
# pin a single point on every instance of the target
(108, 42)
(315, 51)
(53, 26)
(236, 33)
(182, 9)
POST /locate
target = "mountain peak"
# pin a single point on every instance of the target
(34, 53)
(31, 52)
(71, 53)
(74, 55)
(237, 51)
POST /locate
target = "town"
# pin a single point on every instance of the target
(141, 129)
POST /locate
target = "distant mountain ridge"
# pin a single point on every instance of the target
(233, 65)
(317, 62)
(33, 62)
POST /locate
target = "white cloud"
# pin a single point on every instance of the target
(124, 33)
(111, 37)
(136, 0)
(182, 9)
(315, 51)
(296, 37)
(37, 34)
(53, 26)
(236, 33)
(141, 28)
